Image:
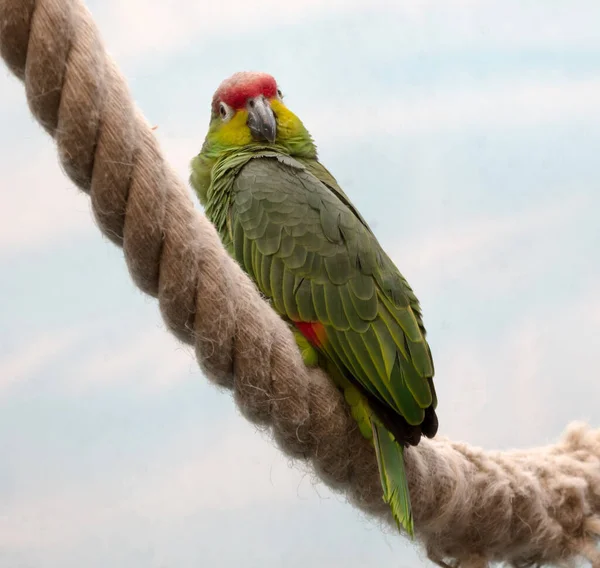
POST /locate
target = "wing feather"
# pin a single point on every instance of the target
(310, 252)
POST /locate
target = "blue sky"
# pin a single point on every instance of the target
(467, 134)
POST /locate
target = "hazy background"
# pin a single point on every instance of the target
(468, 134)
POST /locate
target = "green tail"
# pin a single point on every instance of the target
(390, 459)
(390, 454)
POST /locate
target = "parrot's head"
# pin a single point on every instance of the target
(248, 109)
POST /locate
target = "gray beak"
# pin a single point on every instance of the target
(261, 119)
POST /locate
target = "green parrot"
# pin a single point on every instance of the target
(284, 218)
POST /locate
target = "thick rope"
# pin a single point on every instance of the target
(470, 506)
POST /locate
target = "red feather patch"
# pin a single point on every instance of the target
(313, 331)
(240, 87)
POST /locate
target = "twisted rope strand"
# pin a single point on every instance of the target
(471, 507)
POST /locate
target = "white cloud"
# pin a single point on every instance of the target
(519, 387)
(13, 90)
(143, 28)
(458, 250)
(473, 24)
(494, 385)
(180, 151)
(152, 361)
(39, 203)
(240, 469)
(485, 106)
(33, 356)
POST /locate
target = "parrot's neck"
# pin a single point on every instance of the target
(299, 146)
(293, 139)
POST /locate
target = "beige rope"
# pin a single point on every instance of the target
(470, 506)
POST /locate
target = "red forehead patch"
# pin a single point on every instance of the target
(240, 87)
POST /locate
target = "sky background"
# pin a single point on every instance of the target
(466, 132)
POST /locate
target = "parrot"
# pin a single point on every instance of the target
(286, 221)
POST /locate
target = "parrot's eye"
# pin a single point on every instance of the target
(225, 111)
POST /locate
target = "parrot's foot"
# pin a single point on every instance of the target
(310, 356)
(360, 411)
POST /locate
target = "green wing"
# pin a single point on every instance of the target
(325, 177)
(317, 261)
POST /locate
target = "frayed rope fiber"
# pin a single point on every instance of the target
(470, 507)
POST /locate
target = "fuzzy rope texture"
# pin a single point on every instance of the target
(471, 507)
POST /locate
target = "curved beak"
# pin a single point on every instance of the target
(261, 119)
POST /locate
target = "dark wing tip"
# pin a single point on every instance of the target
(430, 424)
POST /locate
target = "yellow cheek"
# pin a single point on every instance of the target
(288, 124)
(235, 132)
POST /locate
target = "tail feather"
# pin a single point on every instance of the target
(390, 459)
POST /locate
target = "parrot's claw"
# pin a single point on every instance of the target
(308, 352)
